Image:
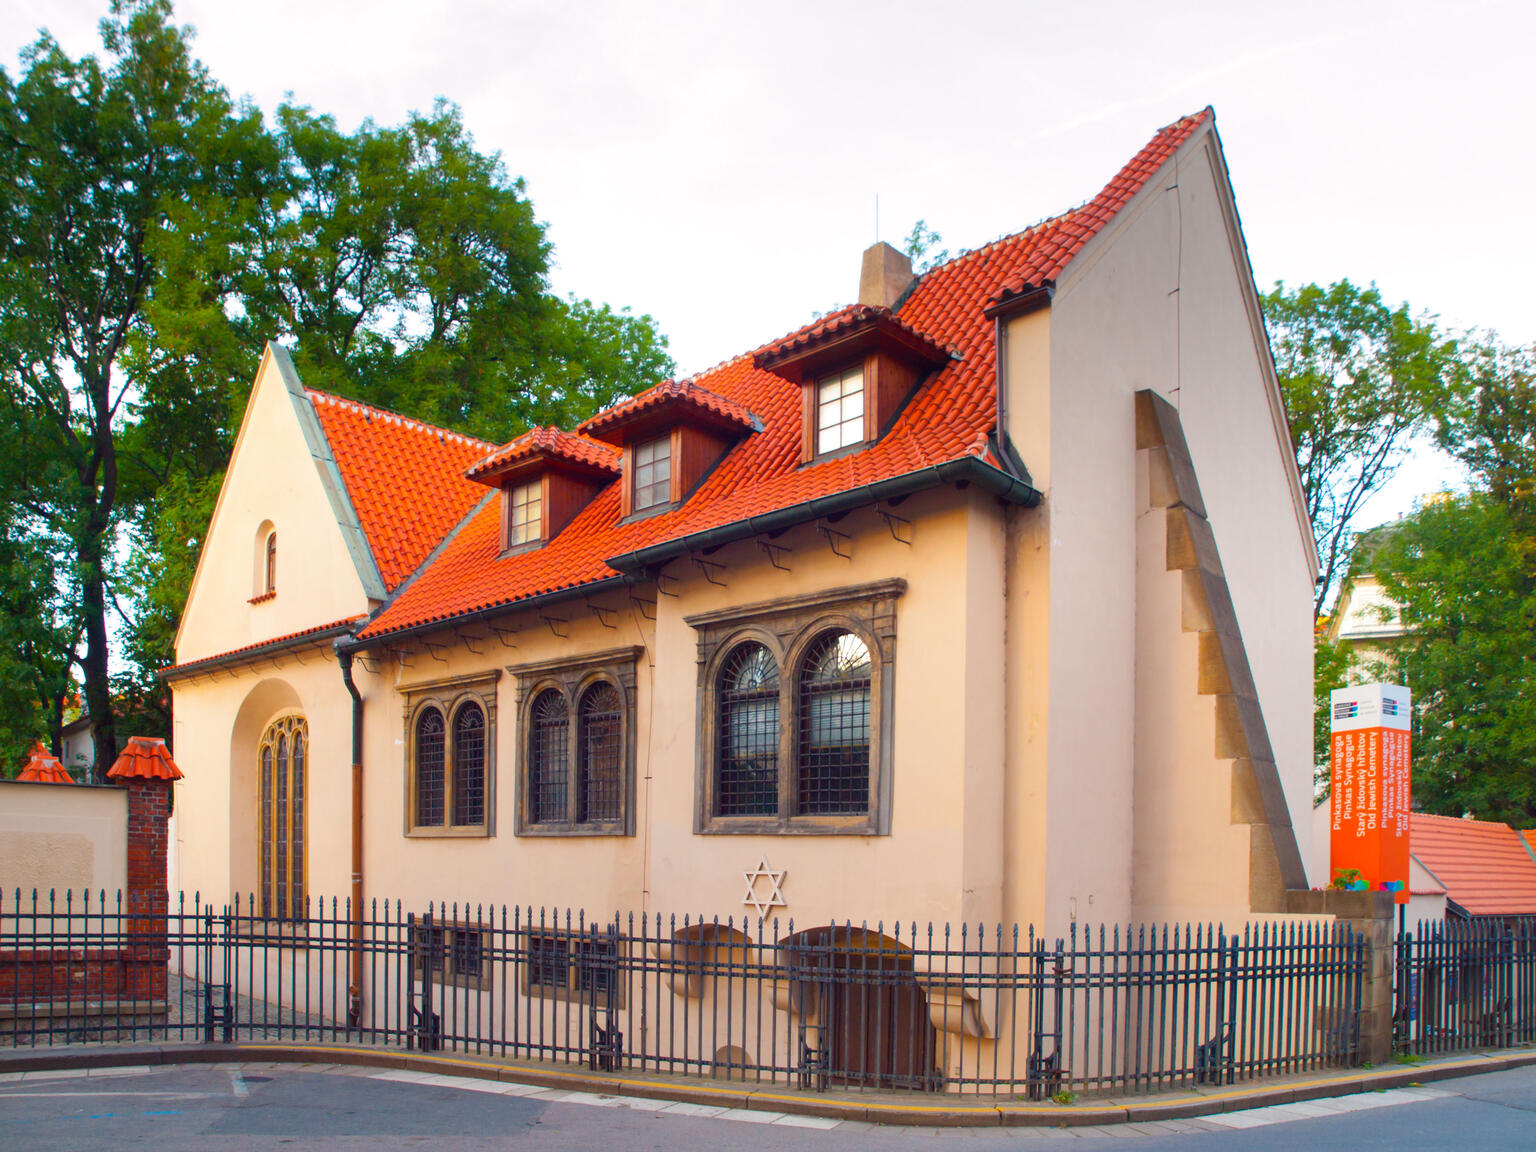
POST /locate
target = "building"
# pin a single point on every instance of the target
(985, 599)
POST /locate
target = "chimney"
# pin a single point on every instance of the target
(885, 276)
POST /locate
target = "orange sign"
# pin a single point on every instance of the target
(1371, 787)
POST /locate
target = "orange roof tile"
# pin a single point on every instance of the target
(44, 768)
(406, 479)
(1530, 838)
(1484, 866)
(144, 758)
(547, 441)
(949, 419)
(684, 395)
(319, 631)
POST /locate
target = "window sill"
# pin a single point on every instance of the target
(451, 832)
(263, 598)
(793, 826)
(653, 510)
(574, 830)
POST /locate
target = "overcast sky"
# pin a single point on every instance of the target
(717, 164)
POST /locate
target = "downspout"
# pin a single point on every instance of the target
(355, 955)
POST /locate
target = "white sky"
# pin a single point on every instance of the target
(717, 164)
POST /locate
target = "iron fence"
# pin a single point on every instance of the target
(1465, 984)
(968, 1009)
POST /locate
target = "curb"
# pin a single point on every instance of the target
(1143, 1110)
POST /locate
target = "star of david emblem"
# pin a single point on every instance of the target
(772, 879)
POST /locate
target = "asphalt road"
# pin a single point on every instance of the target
(250, 1106)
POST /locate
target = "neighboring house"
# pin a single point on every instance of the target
(1363, 614)
(1485, 868)
(985, 599)
(77, 741)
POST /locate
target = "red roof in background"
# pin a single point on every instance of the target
(1484, 866)
(406, 479)
(44, 768)
(548, 441)
(144, 758)
(1530, 837)
(949, 417)
(684, 394)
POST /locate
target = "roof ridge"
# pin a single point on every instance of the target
(404, 421)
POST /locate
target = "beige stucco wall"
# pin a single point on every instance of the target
(273, 477)
(64, 837)
(1160, 301)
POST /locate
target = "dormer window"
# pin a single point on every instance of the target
(546, 478)
(840, 410)
(672, 436)
(856, 370)
(653, 473)
(525, 508)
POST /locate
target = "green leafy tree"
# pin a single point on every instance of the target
(153, 235)
(94, 154)
(1464, 573)
(1360, 380)
(922, 247)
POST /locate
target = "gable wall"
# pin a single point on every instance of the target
(1157, 302)
(272, 476)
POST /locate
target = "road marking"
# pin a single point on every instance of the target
(237, 1084)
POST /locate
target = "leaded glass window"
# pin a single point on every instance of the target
(431, 750)
(468, 765)
(600, 737)
(833, 714)
(548, 767)
(281, 756)
(747, 783)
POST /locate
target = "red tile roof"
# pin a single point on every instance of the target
(948, 419)
(837, 323)
(1058, 240)
(1530, 838)
(684, 395)
(44, 768)
(1484, 866)
(261, 647)
(144, 758)
(547, 441)
(406, 479)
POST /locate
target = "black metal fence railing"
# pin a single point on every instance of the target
(967, 1009)
(1465, 984)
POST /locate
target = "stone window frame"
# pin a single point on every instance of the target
(448, 696)
(571, 677)
(787, 628)
(447, 952)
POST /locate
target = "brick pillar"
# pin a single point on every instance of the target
(145, 768)
(147, 899)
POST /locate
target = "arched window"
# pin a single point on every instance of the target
(600, 756)
(548, 758)
(269, 585)
(468, 766)
(747, 728)
(431, 748)
(833, 721)
(282, 754)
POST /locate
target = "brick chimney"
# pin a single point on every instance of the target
(885, 275)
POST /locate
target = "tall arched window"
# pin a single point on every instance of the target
(431, 749)
(747, 726)
(833, 715)
(600, 755)
(548, 752)
(282, 754)
(269, 585)
(468, 765)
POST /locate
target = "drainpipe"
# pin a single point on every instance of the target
(355, 956)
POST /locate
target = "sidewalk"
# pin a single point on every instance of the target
(921, 1109)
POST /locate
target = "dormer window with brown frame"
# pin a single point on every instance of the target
(856, 370)
(546, 478)
(673, 436)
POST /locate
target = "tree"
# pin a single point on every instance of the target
(1462, 571)
(922, 247)
(153, 235)
(94, 154)
(1360, 381)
